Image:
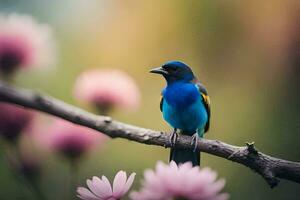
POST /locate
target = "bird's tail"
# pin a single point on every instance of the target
(185, 155)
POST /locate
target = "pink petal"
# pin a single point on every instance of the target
(100, 188)
(186, 166)
(95, 186)
(111, 198)
(135, 195)
(151, 179)
(119, 183)
(173, 165)
(86, 194)
(129, 183)
(223, 196)
(209, 175)
(161, 167)
(80, 197)
(106, 187)
(218, 186)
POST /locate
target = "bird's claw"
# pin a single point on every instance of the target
(173, 138)
(194, 141)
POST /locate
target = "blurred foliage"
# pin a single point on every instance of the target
(246, 53)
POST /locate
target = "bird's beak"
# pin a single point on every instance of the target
(159, 70)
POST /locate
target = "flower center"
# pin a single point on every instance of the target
(103, 108)
(10, 60)
(180, 198)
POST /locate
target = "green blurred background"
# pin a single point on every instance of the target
(245, 52)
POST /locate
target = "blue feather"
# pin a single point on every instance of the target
(183, 107)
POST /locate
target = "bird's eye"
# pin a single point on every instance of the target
(173, 69)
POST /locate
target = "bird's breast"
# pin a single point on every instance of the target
(180, 96)
(183, 108)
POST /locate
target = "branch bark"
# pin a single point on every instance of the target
(270, 168)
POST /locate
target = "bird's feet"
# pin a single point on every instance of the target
(173, 137)
(195, 139)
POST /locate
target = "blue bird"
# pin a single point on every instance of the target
(185, 106)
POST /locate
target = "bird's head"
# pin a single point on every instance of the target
(174, 71)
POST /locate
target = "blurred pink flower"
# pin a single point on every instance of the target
(24, 43)
(180, 182)
(106, 88)
(101, 189)
(71, 140)
(13, 120)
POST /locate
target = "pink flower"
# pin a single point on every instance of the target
(24, 43)
(13, 120)
(71, 140)
(106, 88)
(180, 182)
(101, 189)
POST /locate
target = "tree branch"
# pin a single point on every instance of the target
(270, 168)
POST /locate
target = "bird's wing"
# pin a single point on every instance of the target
(206, 102)
(161, 103)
